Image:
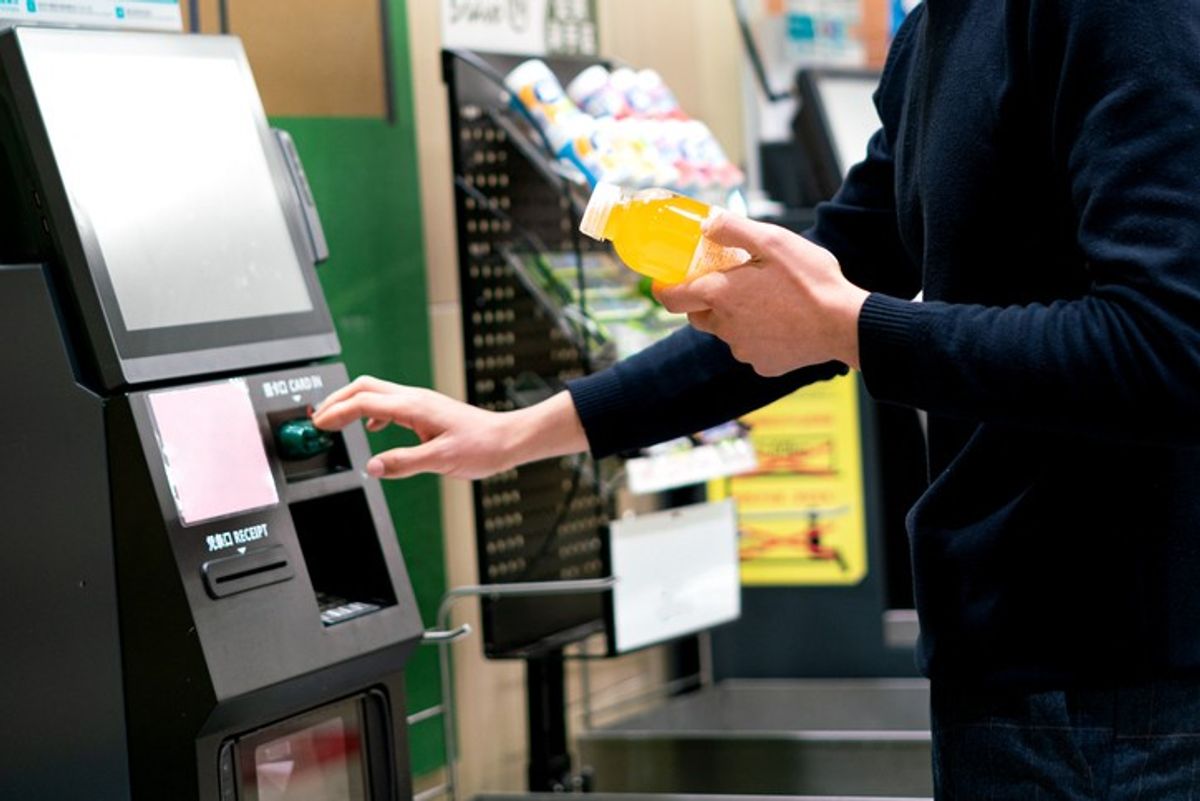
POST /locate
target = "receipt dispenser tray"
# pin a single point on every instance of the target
(258, 568)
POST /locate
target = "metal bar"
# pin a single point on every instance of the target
(705, 646)
(389, 78)
(436, 637)
(424, 715)
(666, 690)
(585, 680)
(511, 590)
(549, 763)
(755, 57)
(523, 589)
(432, 792)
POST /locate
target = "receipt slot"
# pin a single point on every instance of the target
(204, 596)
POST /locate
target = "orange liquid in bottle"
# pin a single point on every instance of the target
(657, 233)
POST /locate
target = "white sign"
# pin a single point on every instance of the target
(240, 536)
(292, 386)
(696, 465)
(677, 573)
(154, 15)
(523, 27)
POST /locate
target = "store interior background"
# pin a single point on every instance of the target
(378, 157)
(702, 61)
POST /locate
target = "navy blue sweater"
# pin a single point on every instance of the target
(1038, 177)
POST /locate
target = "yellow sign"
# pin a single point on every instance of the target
(801, 515)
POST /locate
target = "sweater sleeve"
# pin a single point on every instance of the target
(1123, 359)
(683, 384)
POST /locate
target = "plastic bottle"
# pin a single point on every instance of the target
(534, 88)
(538, 91)
(592, 91)
(625, 81)
(661, 100)
(657, 233)
(701, 149)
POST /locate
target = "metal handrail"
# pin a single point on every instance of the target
(443, 637)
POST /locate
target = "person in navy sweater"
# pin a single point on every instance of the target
(1037, 178)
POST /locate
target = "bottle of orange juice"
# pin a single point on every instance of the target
(657, 233)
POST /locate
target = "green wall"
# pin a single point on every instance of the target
(364, 176)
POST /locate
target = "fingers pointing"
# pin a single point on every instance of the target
(405, 462)
(336, 415)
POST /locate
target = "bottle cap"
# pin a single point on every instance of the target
(527, 73)
(587, 83)
(623, 78)
(595, 216)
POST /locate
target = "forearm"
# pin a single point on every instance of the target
(681, 385)
(1107, 366)
(546, 430)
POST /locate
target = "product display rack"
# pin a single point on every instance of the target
(548, 520)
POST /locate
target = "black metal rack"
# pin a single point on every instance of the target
(548, 520)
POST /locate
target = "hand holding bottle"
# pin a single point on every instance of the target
(657, 233)
(788, 307)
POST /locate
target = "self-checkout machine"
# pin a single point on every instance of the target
(203, 596)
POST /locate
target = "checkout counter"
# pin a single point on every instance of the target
(204, 599)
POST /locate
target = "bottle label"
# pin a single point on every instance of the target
(710, 257)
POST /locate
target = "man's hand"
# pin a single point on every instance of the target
(786, 308)
(456, 439)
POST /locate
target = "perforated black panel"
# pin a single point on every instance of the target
(544, 521)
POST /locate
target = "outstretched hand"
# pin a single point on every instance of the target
(457, 439)
(788, 307)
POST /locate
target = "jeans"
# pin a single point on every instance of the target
(1131, 743)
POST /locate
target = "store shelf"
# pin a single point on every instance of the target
(859, 738)
(547, 520)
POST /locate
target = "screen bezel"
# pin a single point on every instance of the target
(123, 356)
(814, 130)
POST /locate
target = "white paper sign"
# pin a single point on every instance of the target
(533, 27)
(687, 467)
(677, 573)
(154, 15)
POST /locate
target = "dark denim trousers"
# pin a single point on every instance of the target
(1129, 743)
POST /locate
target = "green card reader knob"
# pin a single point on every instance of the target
(300, 439)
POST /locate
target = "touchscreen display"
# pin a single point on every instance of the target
(318, 757)
(212, 451)
(185, 210)
(313, 764)
(850, 110)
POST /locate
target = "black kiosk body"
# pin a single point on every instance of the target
(203, 597)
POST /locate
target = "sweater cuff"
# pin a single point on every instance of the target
(888, 349)
(596, 396)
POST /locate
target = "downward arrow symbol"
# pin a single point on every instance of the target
(242, 550)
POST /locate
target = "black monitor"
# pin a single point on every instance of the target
(835, 121)
(183, 247)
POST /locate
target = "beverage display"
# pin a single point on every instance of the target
(623, 127)
(535, 90)
(594, 92)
